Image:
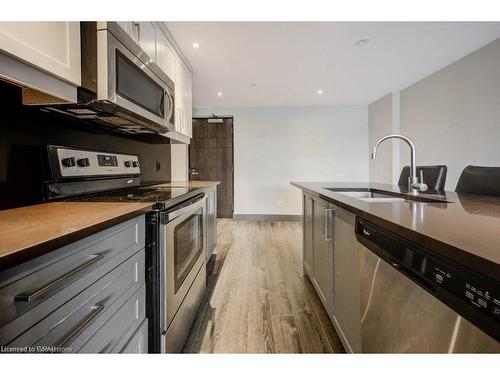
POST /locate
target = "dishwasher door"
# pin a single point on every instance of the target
(399, 316)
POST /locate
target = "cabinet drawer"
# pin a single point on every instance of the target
(32, 290)
(80, 315)
(127, 318)
(138, 343)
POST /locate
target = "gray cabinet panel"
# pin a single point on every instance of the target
(307, 236)
(138, 343)
(81, 313)
(41, 285)
(346, 283)
(323, 253)
(211, 221)
(128, 317)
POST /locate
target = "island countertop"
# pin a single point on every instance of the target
(464, 228)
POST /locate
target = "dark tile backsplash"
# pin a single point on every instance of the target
(23, 128)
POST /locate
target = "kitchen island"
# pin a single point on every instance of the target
(361, 293)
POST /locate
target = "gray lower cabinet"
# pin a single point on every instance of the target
(138, 343)
(331, 260)
(307, 235)
(211, 221)
(88, 296)
(346, 280)
(320, 267)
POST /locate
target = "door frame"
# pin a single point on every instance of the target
(223, 117)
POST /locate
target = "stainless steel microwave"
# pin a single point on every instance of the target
(121, 86)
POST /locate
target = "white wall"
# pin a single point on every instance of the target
(276, 145)
(453, 116)
(380, 124)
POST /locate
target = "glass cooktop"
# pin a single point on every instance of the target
(155, 193)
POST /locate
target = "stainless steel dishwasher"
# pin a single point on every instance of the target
(414, 301)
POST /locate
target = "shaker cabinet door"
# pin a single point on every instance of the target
(50, 46)
(165, 55)
(145, 36)
(323, 253)
(346, 276)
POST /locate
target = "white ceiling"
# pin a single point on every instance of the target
(287, 62)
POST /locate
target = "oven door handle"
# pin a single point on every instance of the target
(185, 207)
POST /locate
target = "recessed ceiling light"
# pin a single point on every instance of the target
(361, 42)
(320, 91)
(196, 45)
(219, 93)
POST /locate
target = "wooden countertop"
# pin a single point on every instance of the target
(27, 232)
(31, 231)
(462, 227)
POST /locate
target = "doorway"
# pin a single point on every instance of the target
(211, 158)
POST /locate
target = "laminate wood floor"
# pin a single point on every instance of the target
(257, 299)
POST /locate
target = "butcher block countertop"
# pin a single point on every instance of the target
(31, 231)
(464, 228)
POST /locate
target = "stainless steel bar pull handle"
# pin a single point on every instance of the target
(96, 309)
(44, 290)
(137, 31)
(323, 224)
(328, 221)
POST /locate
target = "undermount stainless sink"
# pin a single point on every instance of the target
(364, 194)
(370, 196)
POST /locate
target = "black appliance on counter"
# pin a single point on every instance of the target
(175, 232)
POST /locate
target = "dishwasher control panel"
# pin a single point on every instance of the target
(470, 294)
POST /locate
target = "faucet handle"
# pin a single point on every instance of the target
(422, 186)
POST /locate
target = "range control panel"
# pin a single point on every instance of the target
(85, 163)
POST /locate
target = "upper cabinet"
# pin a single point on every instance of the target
(183, 98)
(51, 46)
(45, 59)
(145, 36)
(165, 55)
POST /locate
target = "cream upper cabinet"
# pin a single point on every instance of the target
(145, 35)
(128, 26)
(165, 55)
(51, 46)
(189, 104)
(183, 98)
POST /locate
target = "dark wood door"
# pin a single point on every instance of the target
(211, 159)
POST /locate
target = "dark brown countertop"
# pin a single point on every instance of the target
(31, 231)
(465, 228)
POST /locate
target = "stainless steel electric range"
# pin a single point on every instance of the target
(175, 236)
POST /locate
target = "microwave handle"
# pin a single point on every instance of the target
(171, 106)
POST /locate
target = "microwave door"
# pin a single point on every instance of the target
(124, 80)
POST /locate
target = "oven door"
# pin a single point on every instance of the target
(125, 81)
(184, 248)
